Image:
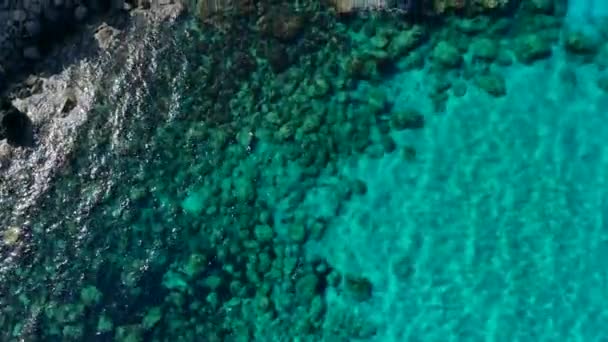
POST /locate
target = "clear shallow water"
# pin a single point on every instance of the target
(497, 232)
(193, 211)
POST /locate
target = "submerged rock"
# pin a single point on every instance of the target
(493, 84)
(602, 83)
(90, 295)
(446, 55)
(407, 119)
(360, 288)
(580, 43)
(484, 48)
(406, 41)
(282, 25)
(532, 47)
(277, 57)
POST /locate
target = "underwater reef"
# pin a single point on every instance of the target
(303, 171)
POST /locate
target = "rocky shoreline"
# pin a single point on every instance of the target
(55, 94)
(30, 29)
(27, 28)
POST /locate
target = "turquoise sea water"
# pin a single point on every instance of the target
(211, 198)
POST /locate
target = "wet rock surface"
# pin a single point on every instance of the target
(30, 28)
(40, 115)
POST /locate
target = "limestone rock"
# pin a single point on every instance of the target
(106, 36)
(277, 57)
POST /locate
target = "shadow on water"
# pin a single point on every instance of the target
(15, 126)
(18, 128)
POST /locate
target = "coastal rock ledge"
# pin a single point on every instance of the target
(29, 27)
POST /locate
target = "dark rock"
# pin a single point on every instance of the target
(388, 144)
(51, 14)
(144, 4)
(408, 153)
(69, 104)
(493, 84)
(307, 287)
(580, 43)
(504, 58)
(602, 83)
(277, 57)
(15, 126)
(532, 47)
(283, 25)
(359, 288)
(358, 187)
(34, 84)
(19, 15)
(288, 27)
(32, 27)
(459, 89)
(406, 41)
(118, 5)
(244, 64)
